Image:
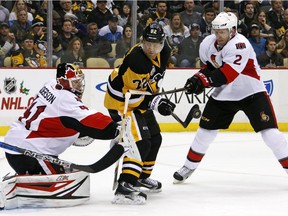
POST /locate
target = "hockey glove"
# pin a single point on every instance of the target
(196, 84)
(162, 105)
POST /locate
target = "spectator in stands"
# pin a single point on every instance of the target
(216, 6)
(147, 7)
(282, 46)
(21, 26)
(257, 42)
(94, 45)
(42, 11)
(275, 16)
(140, 27)
(27, 56)
(241, 28)
(189, 48)
(4, 14)
(66, 7)
(176, 6)
(124, 44)
(188, 16)
(57, 22)
(39, 31)
(78, 27)
(175, 32)
(270, 58)
(66, 34)
(99, 15)
(206, 21)
(40, 37)
(112, 32)
(7, 42)
(75, 53)
(265, 29)
(161, 15)
(18, 6)
(116, 11)
(249, 13)
(124, 14)
(84, 7)
(285, 18)
(32, 6)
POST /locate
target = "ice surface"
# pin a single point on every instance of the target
(239, 176)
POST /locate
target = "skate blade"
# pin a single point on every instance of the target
(178, 181)
(147, 190)
(122, 200)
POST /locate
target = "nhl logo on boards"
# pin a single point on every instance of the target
(10, 85)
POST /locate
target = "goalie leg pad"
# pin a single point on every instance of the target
(129, 144)
(46, 191)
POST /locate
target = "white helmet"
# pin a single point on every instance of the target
(225, 21)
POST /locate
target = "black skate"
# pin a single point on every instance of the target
(148, 185)
(127, 194)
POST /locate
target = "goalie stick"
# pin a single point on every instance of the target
(116, 170)
(107, 160)
(193, 113)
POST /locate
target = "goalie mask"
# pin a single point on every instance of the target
(71, 78)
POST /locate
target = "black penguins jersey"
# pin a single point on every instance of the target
(137, 72)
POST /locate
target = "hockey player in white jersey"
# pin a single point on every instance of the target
(230, 66)
(51, 124)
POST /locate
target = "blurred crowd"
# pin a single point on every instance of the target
(103, 29)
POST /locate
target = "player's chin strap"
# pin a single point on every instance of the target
(107, 160)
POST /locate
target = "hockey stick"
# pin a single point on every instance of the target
(107, 160)
(116, 170)
(193, 113)
(159, 93)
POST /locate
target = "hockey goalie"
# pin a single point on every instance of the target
(55, 120)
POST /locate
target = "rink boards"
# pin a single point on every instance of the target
(18, 87)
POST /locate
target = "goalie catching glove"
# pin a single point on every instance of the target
(162, 105)
(83, 141)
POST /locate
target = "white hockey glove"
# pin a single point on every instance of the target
(83, 141)
(162, 105)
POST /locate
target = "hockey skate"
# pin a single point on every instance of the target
(2, 200)
(148, 185)
(127, 194)
(182, 174)
(2, 197)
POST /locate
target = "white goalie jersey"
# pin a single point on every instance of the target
(40, 128)
(237, 60)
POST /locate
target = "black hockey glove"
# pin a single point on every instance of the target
(162, 105)
(196, 84)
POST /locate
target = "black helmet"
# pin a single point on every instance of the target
(154, 33)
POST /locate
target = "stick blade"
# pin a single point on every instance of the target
(193, 113)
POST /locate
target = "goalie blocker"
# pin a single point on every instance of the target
(44, 191)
